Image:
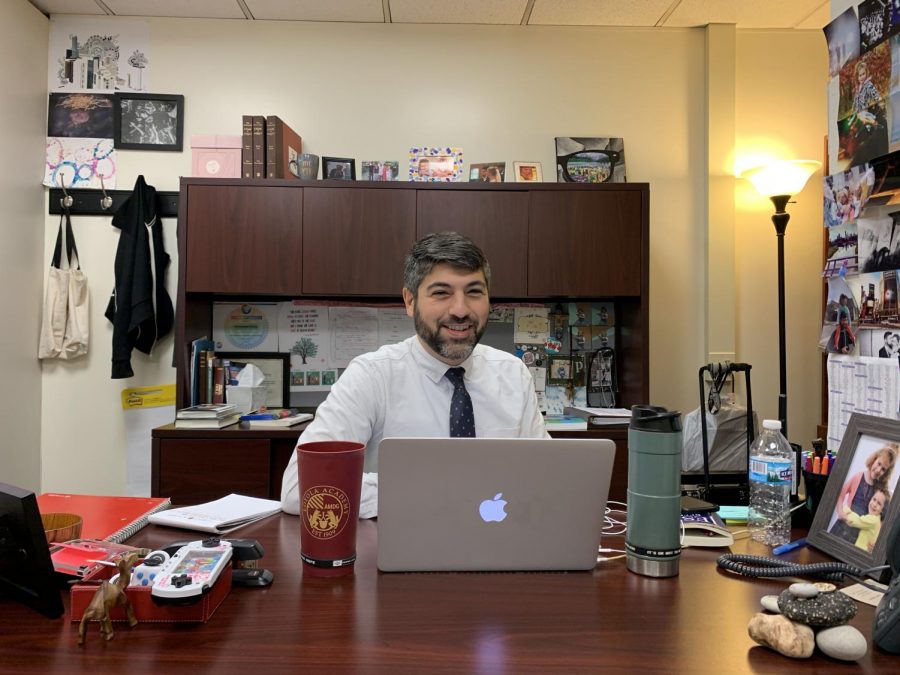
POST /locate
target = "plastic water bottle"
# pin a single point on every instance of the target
(771, 475)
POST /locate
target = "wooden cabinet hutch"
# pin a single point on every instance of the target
(284, 239)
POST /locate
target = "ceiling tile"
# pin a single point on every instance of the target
(68, 6)
(598, 12)
(507, 12)
(742, 13)
(206, 9)
(361, 11)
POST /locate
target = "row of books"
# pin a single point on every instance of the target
(208, 377)
(269, 148)
(218, 416)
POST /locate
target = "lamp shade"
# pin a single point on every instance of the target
(784, 177)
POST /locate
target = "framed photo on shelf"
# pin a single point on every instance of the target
(590, 160)
(435, 165)
(149, 122)
(339, 168)
(528, 172)
(489, 172)
(275, 367)
(858, 509)
(380, 170)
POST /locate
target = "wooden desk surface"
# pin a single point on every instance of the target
(609, 620)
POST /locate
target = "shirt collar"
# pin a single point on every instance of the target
(434, 368)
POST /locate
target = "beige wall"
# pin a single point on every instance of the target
(781, 111)
(371, 91)
(23, 126)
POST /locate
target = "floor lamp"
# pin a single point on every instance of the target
(779, 181)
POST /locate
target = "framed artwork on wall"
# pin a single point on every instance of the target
(149, 122)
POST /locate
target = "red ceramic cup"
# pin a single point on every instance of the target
(330, 483)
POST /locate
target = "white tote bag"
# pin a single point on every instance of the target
(64, 329)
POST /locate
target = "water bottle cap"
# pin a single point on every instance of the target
(772, 424)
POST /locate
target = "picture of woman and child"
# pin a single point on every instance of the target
(866, 495)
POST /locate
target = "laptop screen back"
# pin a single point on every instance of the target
(491, 504)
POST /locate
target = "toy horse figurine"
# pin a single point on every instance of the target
(108, 596)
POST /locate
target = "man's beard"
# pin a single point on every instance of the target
(452, 350)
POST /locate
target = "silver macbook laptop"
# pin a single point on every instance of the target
(491, 504)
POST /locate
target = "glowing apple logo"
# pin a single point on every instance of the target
(492, 510)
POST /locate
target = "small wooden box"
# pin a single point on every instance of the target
(216, 156)
(145, 609)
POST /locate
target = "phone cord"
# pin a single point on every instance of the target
(759, 566)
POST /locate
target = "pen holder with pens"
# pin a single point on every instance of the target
(815, 486)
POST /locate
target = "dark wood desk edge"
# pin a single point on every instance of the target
(240, 430)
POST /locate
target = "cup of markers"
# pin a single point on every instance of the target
(816, 469)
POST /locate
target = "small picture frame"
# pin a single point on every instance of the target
(383, 171)
(435, 165)
(338, 168)
(560, 370)
(487, 172)
(149, 122)
(528, 172)
(858, 507)
(275, 367)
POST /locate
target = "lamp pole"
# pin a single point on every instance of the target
(780, 219)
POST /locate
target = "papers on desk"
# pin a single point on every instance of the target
(220, 516)
(601, 417)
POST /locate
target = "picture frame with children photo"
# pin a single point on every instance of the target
(858, 504)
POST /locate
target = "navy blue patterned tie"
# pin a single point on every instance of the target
(462, 419)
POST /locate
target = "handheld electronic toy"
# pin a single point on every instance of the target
(191, 571)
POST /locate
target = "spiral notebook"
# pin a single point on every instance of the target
(109, 518)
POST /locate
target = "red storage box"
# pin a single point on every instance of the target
(145, 609)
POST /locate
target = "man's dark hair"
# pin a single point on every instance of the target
(450, 248)
(887, 334)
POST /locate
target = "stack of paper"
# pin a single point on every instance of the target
(220, 516)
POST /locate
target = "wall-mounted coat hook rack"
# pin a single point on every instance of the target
(90, 202)
(66, 200)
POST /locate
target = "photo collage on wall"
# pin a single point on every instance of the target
(90, 60)
(861, 197)
(557, 342)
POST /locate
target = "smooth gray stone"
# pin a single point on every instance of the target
(842, 642)
(803, 590)
(826, 609)
(770, 603)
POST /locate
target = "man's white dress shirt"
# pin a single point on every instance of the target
(400, 391)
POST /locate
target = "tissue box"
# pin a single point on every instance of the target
(216, 156)
(247, 399)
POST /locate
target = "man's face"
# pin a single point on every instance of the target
(450, 311)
